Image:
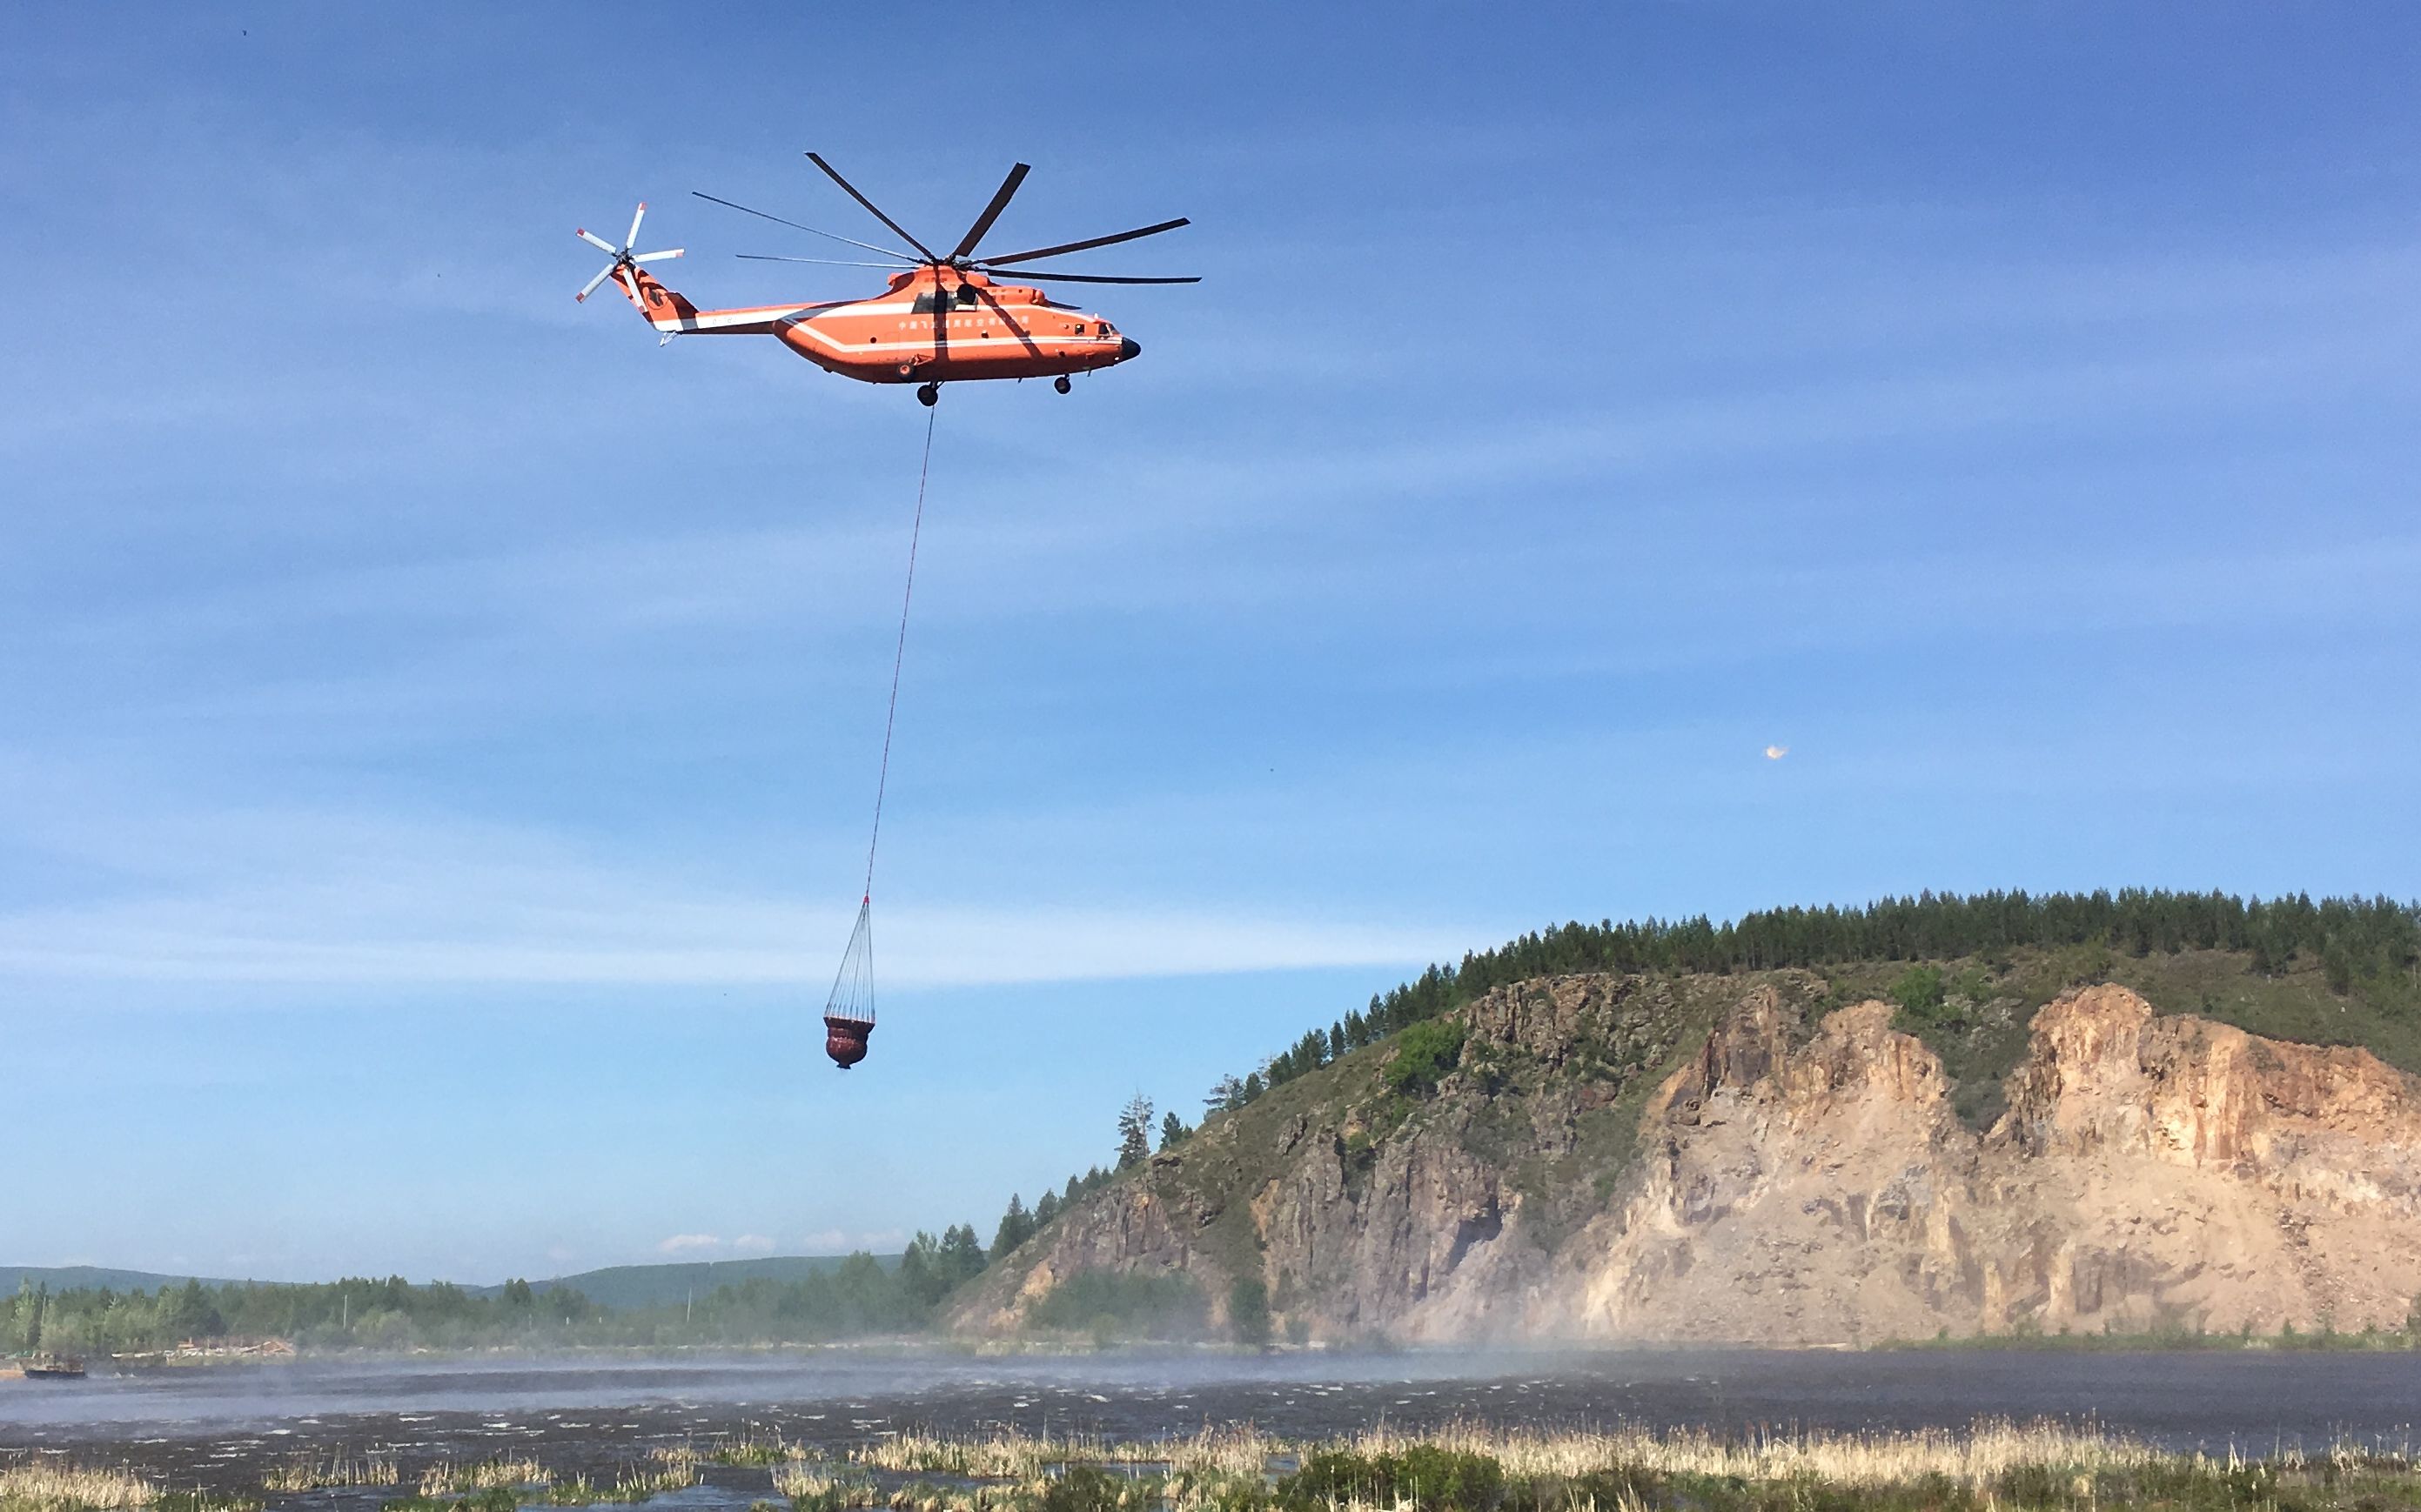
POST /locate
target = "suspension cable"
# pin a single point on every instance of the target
(899, 653)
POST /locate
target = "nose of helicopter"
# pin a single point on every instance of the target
(1129, 349)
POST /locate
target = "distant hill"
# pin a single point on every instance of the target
(88, 1277)
(618, 1287)
(625, 1286)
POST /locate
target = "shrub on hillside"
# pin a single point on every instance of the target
(1423, 1054)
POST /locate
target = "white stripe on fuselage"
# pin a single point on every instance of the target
(804, 315)
(947, 343)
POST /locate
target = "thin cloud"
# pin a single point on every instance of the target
(690, 1244)
(1775, 753)
(308, 899)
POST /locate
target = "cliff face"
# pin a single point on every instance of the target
(1618, 1159)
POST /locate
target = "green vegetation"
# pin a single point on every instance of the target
(1424, 1054)
(858, 1297)
(1135, 1132)
(1430, 1479)
(1248, 1310)
(932, 1269)
(1112, 1305)
(1994, 1466)
(1423, 1476)
(2368, 953)
(1965, 974)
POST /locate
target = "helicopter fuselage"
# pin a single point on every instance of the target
(932, 325)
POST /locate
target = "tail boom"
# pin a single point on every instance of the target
(674, 315)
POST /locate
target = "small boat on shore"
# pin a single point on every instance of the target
(51, 1367)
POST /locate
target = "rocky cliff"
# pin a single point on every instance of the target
(1722, 1158)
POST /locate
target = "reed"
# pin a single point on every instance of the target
(754, 1447)
(1974, 1457)
(1230, 1449)
(486, 1475)
(1993, 1465)
(823, 1487)
(309, 1473)
(669, 1468)
(44, 1486)
(1010, 1455)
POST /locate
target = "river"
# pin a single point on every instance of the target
(224, 1426)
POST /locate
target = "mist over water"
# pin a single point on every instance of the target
(228, 1425)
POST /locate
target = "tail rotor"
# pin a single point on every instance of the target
(622, 255)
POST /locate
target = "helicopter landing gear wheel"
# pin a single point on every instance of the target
(1061, 383)
(927, 393)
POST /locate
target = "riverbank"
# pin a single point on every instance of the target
(1988, 1466)
(2177, 1341)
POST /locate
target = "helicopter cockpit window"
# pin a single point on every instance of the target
(963, 297)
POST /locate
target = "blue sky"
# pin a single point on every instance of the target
(439, 725)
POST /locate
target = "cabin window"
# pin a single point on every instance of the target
(964, 297)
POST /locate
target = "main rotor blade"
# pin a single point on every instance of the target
(1016, 275)
(1086, 245)
(650, 257)
(592, 287)
(992, 211)
(897, 229)
(828, 236)
(598, 242)
(636, 216)
(828, 262)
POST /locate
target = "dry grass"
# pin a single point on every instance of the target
(1973, 1457)
(1013, 1455)
(488, 1475)
(309, 1473)
(669, 1468)
(39, 1486)
(673, 1467)
(755, 1446)
(1016, 1454)
(1236, 1449)
(823, 1482)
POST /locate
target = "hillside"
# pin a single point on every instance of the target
(88, 1277)
(2064, 1138)
(626, 1286)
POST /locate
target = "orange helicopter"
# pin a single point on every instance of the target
(945, 318)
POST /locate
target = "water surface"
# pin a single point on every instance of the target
(226, 1424)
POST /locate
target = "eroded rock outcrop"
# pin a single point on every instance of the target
(1798, 1176)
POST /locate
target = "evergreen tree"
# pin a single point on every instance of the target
(1248, 1310)
(190, 1314)
(1172, 1129)
(1135, 1132)
(1016, 1225)
(962, 1258)
(920, 1274)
